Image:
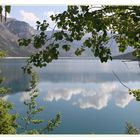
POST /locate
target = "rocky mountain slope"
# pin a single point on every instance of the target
(10, 32)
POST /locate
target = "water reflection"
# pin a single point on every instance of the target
(96, 96)
(84, 83)
(89, 71)
(24, 96)
(85, 91)
(14, 77)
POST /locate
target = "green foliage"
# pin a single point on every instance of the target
(52, 123)
(7, 9)
(79, 51)
(120, 23)
(24, 42)
(32, 132)
(1, 79)
(135, 93)
(43, 57)
(31, 104)
(4, 90)
(66, 47)
(38, 40)
(1, 9)
(33, 109)
(50, 52)
(2, 54)
(130, 129)
(7, 120)
(58, 36)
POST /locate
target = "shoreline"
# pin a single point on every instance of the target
(14, 58)
(58, 58)
(85, 58)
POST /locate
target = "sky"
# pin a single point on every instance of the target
(31, 14)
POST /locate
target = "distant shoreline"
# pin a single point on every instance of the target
(58, 58)
(86, 58)
(14, 58)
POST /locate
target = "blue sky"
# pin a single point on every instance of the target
(31, 14)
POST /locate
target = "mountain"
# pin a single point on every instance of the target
(126, 56)
(20, 28)
(12, 30)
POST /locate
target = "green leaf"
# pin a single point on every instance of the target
(4, 90)
(66, 47)
(79, 51)
(87, 43)
(122, 48)
(37, 121)
(58, 36)
(136, 93)
(7, 8)
(130, 129)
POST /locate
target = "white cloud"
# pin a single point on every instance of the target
(96, 97)
(65, 94)
(24, 96)
(123, 99)
(100, 99)
(29, 17)
(5, 97)
(97, 102)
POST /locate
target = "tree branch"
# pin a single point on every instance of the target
(120, 80)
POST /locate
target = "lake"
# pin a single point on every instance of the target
(88, 95)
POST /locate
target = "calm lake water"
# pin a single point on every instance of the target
(88, 95)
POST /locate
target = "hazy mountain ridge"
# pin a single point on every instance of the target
(126, 56)
(13, 29)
